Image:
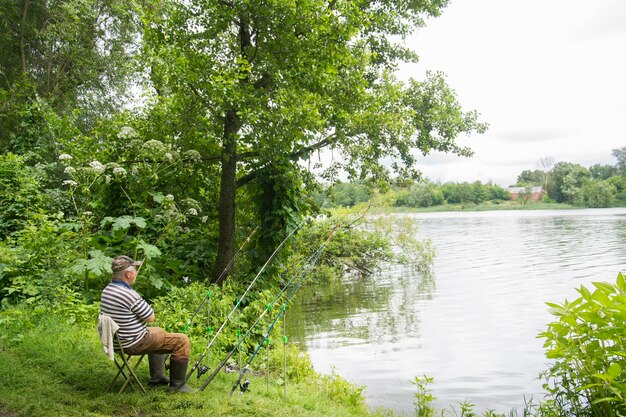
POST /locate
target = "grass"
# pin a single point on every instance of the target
(55, 369)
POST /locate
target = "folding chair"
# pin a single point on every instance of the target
(126, 364)
(112, 345)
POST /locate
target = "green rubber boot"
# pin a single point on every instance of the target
(157, 370)
(178, 373)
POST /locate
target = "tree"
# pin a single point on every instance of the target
(620, 155)
(526, 194)
(545, 164)
(566, 179)
(598, 193)
(66, 58)
(602, 172)
(263, 85)
(526, 177)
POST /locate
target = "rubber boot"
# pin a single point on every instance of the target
(178, 373)
(157, 370)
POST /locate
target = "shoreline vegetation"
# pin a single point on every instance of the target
(487, 206)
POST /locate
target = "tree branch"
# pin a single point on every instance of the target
(247, 178)
(318, 145)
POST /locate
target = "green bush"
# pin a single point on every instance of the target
(19, 194)
(587, 344)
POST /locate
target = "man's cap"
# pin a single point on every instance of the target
(122, 262)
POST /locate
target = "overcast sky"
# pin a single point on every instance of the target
(549, 76)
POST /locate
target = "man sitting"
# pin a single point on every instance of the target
(132, 313)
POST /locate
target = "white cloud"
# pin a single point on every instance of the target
(547, 76)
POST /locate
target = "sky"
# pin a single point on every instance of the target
(548, 76)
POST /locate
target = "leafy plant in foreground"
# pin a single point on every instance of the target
(587, 344)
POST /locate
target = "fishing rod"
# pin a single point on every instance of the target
(279, 315)
(208, 294)
(272, 256)
(307, 264)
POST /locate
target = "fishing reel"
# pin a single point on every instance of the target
(245, 386)
(202, 369)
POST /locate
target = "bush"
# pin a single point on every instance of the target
(587, 344)
(19, 194)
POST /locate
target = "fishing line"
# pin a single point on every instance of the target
(305, 265)
(278, 316)
(284, 353)
(237, 304)
(208, 295)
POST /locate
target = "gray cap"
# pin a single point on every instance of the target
(122, 262)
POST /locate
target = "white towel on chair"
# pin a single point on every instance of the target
(106, 329)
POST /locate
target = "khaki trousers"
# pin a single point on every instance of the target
(158, 341)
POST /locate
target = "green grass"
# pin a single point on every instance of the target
(55, 369)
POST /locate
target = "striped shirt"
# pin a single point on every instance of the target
(120, 302)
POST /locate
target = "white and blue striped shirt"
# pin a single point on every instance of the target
(120, 302)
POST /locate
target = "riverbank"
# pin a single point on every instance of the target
(50, 367)
(487, 206)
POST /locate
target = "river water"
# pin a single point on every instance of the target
(472, 323)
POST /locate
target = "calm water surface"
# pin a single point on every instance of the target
(472, 324)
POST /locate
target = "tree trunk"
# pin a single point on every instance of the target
(228, 188)
(228, 185)
(23, 36)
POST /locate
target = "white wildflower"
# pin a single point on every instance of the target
(192, 155)
(65, 157)
(107, 178)
(97, 166)
(119, 172)
(153, 148)
(87, 213)
(169, 197)
(127, 132)
(70, 183)
(192, 212)
(70, 170)
(186, 279)
(168, 156)
(204, 219)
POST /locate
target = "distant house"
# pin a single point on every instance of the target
(536, 193)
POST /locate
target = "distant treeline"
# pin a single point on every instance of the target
(563, 182)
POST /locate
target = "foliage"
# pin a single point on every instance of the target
(620, 155)
(260, 87)
(598, 193)
(70, 52)
(345, 194)
(602, 172)
(338, 389)
(472, 193)
(20, 195)
(37, 265)
(423, 397)
(566, 180)
(586, 343)
(533, 178)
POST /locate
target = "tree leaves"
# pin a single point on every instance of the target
(587, 346)
(123, 222)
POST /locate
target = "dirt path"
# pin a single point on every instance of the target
(5, 413)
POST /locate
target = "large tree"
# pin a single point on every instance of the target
(264, 84)
(61, 58)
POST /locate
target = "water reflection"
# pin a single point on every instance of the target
(362, 307)
(471, 323)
